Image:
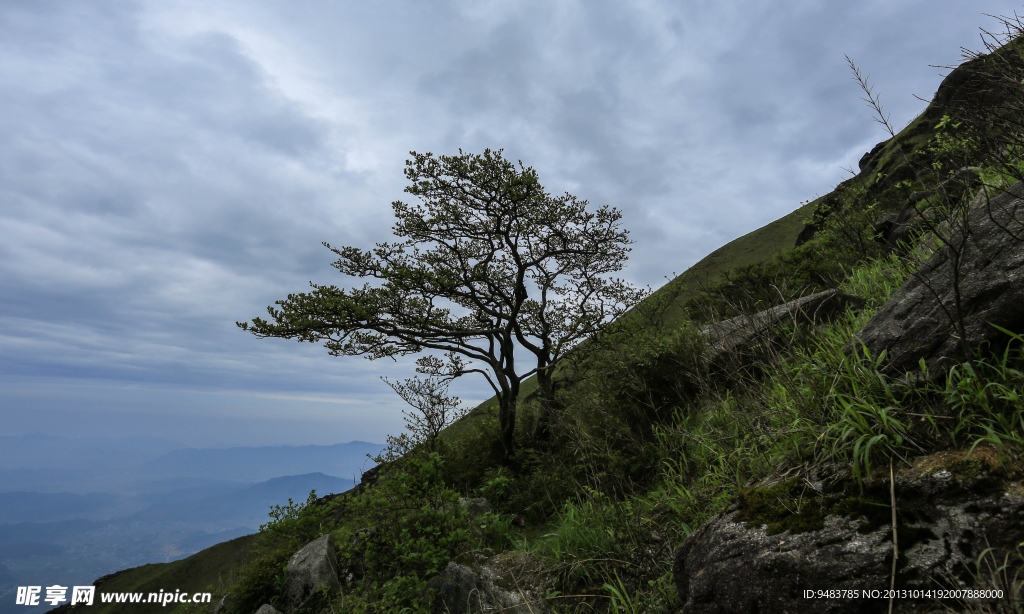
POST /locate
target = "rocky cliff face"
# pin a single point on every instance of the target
(978, 277)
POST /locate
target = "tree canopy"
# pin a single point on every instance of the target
(486, 261)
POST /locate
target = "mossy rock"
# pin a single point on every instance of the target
(796, 506)
(782, 538)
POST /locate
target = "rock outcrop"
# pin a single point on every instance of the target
(312, 567)
(919, 321)
(818, 531)
(898, 229)
(266, 608)
(479, 582)
(732, 339)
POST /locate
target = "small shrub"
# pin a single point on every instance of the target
(414, 526)
(262, 581)
(295, 523)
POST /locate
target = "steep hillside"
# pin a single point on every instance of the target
(802, 396)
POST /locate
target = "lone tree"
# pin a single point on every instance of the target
(486, 262)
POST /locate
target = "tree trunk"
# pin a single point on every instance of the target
(507, 404)
(546, 393)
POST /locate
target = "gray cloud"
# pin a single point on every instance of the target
(168, 167)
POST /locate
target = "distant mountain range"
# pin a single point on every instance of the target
(258, 464)
(47, 463)
(247, 507)
(74, 510)
(77, 551)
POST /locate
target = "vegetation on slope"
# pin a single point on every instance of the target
(650, 441)
(212, 570)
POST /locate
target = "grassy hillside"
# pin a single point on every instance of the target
(650, 439)
(755, 247)
(211, 570)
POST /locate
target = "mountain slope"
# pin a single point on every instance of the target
(206, 571)
(632, 474)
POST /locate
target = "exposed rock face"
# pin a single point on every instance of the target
(371, 475)
(869, 160)
(896, 229)
(369, 478)
(818, 532)
(310, 568)
(971, 85)
(916, 322)
(480, 584)
(735, 337)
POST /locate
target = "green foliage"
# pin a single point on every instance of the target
(497, 490)
(393, 537)
(876, 280)
(290, 527)
(419, 523)
(583, 534)
(999, 570)
(867, 416)
(849, 227)
(400, 532)
(472, 450)
(954, 146)
(623, 600)
(987, 397)
(262, 581)
(294, 522)
(651, 372)
(595, 537)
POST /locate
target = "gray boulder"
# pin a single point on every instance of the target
(818, 531)
(733, 338)
(480, 583)
(312, 567)
(266, 608)
(918, 321)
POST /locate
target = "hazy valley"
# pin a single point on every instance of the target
(72, 510)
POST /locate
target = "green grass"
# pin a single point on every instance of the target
(211, 570)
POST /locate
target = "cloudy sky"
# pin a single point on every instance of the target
(168, 168)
